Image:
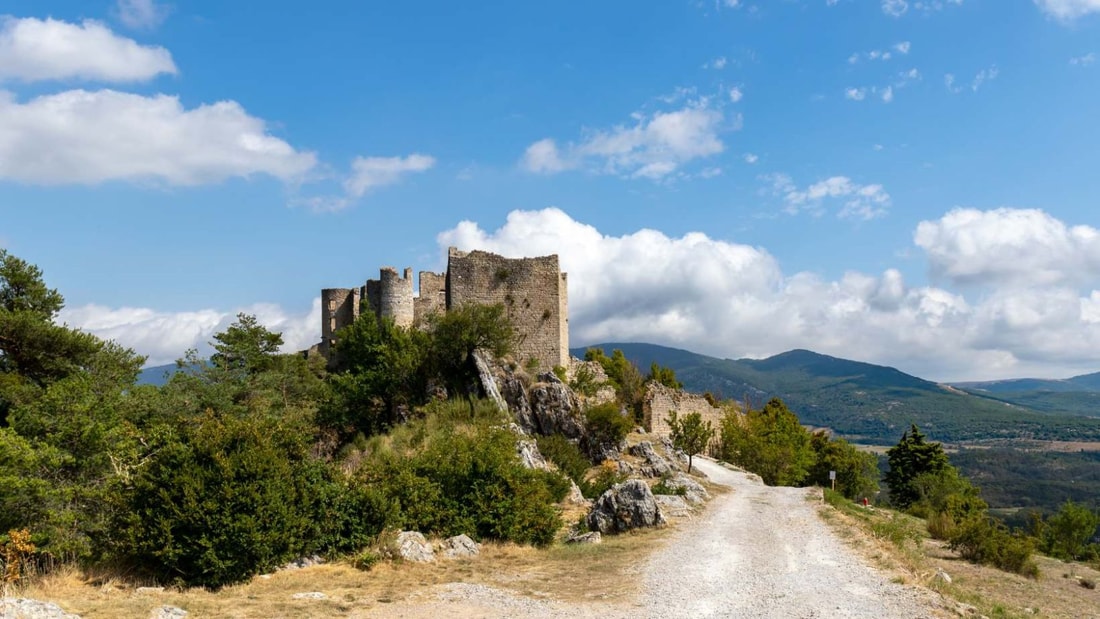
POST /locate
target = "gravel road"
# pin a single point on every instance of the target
(756, 552)
(764, 552)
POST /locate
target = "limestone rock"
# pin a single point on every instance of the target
(26, 608)
(298, 564)
(488, 382)
(694, 492)
(575, 496)
(530, 456)
(941, 577)
(591, 537)
(309, 595)
(168, 612)
(672, 506)
(625, 506)
(653, 464)
(555, 410)
(412, 546)
(149, 590)
(460, 546)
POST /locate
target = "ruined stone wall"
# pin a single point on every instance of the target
(533, 292)
(339, 308)
(433, 295)
(661, 400)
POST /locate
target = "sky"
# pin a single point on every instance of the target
(914, 183)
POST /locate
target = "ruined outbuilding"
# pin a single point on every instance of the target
(533, 292)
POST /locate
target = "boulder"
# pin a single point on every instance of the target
(168, 612)
(673, 506)
(653, 464)
(298, 564)
(460, 546)
(591, 537)
(26, 608)
(411, 546)
(530, 456)
(575, 496)
(625, 506)
(694, 492)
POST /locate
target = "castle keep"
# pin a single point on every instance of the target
(533, 292)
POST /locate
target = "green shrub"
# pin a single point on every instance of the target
(662, 487)
(449, 478)
(987, 541)
(606, 426)
(607, 476)
(566, 455)
(226, 499)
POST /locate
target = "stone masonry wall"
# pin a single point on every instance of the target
(661, 400)
(433, 295)
(533, 292)
(339, 308)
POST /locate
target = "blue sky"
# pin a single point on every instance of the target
(911, 183)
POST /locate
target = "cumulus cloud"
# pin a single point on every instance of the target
(80, 136)
(1068, 9)
(48, 49)
(897, 8)
(141, 14)
(164, 336)
(370, 172)
(857, 201)
(1017, 247)
(654, 146)
(732, 300)
(1083, 61)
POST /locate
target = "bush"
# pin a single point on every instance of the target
(566, 455)
(607, 476)
(227, 499)
(987, 541)
(448, 478)
(605, 426)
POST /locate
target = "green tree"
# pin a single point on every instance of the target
(624, 376)
(663, 375)
(245, 346)
(691, 434)
(1069, 531)
(458, 332)
(912, 457)
(856, 471)
(769, 442)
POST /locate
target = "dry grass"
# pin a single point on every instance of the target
(568, 573)
(1058, 592)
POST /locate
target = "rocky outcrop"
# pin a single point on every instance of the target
(484, 364)
(411, 546)
(625, 506)
(555, 408)
(530, 456)
(673, 506)
(653, 464)
(692, 491)
(591, 537)
(459, 546)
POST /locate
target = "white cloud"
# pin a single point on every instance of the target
(750, 158)
(857, 201)
(855, 94)
(1068, 9)
(654, 147)
(370, 172)
(165, 336)
(1083, 61)
(887, 94)
(732, 300)
(1018, 247)
(896, 8)
(34, 49)
(718, 63)
(736, 94)
(87, 137)
(141, 14)
(980, 79)
(902, 47)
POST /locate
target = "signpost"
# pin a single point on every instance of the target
(832, 478)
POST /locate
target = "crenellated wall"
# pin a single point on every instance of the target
(433, 295)
(339, 308)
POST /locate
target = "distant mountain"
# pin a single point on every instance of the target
(156, 375)
(1079, 395)
(862, 401)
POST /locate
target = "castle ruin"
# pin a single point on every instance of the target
(533, 292)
